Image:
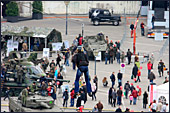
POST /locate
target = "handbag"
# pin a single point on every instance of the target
(132, 76)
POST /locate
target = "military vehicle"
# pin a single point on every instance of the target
(92, 43)
(32, 74)
(34, 103)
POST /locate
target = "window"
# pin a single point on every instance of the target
(106, 13)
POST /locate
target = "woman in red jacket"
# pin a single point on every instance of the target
(149, 65)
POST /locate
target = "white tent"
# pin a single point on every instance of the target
(163, 93)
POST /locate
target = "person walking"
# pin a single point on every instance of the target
(95, 80)
(119, 77)
(114, 51)
(111, 53)
(99, 106)
(67, 55)
(161, 66)
(119, 96)
(112, 78)
(152, 21)
(82, 64)
(131, 28)
(7, 93)
(151, 76)
(149, 66)
(118, 44)
(94, 91)
(131, 87)
(110, 95)
(78, 104)
(127, 89)
(135, 95)
(142, 29)
(129, 54)
(65, 97)
(152, 60)
(118, 56)
(106, 57)
(72, 98)
(145, 99)
(131, 98)
(135, 71)
(122, 57)
(58, 60)
(139, 74)
(114, 96)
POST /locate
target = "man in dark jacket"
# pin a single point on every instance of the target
(145, 99)
(153, 20)
(129, 54)
(65, 97)
(111, 54)
(114, 96)
(151, 76)
(135, 71)
(84, 89)
(119, 96)
(58, 60)
(142, 29)
(127, 88)
(119, 77)
(99, 106)
(118, 44)
(83, 97)
(161, 68)
(110, 96)
(118, 56)
(114, 51)
(132, 87)
(112, 78)
(131, 28)
(82, 64)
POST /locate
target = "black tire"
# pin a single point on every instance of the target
(96, 22)
(116, 23)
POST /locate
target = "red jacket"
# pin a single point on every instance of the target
(149, 65)
(135, 94)
(72, 94)
(49, 90)
(139, 73)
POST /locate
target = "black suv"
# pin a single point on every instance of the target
(103, 15)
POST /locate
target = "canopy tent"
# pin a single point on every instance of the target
(46, 33)
(163, 93)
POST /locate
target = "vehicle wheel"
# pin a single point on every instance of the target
(116, 23)
(96, 22)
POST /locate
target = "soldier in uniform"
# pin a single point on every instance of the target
(24, 96)
(33, 87)
(20, 73)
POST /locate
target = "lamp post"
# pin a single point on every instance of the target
(66, 3)
(82, 25)
(95, 54)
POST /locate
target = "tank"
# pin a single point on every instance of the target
(92, 43)
(34, 103)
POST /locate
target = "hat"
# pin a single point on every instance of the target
(131, 84)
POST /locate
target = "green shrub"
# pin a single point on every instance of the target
(12, 9)
(37, 7)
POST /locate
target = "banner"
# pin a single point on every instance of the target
(122, 67)
(9, 49)
(66, 43)
(46, 52)
(56, 46)
(10, 44)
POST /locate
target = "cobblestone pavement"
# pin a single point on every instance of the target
(143, 45)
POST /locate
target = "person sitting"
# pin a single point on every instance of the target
(105, 82)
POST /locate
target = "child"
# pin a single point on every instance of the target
(131, 98)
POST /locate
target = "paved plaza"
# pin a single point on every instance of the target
(144, 45)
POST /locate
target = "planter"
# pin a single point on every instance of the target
(12, 18)
(37, 16)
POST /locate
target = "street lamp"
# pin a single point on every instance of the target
(95, 52)
(66, 3)
(82, 27)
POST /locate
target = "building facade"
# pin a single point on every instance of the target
(80, 7)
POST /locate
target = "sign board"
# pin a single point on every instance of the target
(99, 57)
(66, 43)
(152, 92)
(10, 43)
(122, 67)
(9, 49)
(46, 52)
(15, 45)
(158, 36)
(56, 46)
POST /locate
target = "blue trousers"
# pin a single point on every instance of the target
(105, 60)
(149, 71)
(74, 66)
(119, 100)
(67, 62)
(142, 32)
(152, 25)
(113, 83)
(134, 100)
(72, 102)
(85, 70)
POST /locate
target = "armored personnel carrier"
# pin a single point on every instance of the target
(92, 43)
(34, 103)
